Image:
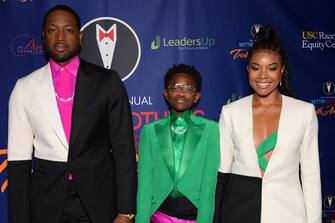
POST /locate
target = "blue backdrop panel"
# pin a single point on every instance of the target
(212, 35)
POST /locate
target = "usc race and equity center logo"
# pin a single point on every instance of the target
(317, 40)
(111, 43)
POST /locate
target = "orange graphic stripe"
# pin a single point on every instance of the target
(3, 165)
(4, 186)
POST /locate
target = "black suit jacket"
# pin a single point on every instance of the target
(101, 153)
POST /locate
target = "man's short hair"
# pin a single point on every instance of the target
(63, 8)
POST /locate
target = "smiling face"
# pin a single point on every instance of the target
(62, 37)
(181, 93)
(265, 70)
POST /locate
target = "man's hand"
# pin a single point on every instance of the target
(122, 219)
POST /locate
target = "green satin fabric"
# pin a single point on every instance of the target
(266, 146)
(179, 124)
(191, 140)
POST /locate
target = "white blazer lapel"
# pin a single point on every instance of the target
(250, 133)
(282, 125)
(44, 90)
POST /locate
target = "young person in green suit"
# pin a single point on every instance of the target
(178, 157)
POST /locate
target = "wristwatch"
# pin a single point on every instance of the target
(129, 216)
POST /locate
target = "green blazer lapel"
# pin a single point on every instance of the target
(192, 138)
(163, 133)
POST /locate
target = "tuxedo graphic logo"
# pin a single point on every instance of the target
(329, 202)
(106, 41)
(328, 88)
(111, 43)
(255, 29)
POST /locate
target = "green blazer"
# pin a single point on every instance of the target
(198, 168)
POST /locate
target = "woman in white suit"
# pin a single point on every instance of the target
(269, 170)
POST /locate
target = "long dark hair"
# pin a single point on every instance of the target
(267, 38)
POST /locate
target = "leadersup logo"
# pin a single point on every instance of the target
(242, 51)
(3, 165)
(185, 43)
(25, 44)
(317, 40)
(156, 43)
(325, 105)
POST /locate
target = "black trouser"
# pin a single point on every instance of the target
(73, 209)
(179, 207)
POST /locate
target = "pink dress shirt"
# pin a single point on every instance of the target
(64, 82)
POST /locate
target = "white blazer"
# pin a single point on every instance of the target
(33, 96)
(284, 199)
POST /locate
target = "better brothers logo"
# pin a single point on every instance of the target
(111, 43)
(25, 44)
(184, 43)
(317, 40)
(242, 51)
(325, 105)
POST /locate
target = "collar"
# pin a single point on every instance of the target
(186, 116)
(71, 67)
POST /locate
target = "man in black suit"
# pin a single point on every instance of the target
(74, 118)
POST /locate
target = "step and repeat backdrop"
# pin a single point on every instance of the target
(152, 35)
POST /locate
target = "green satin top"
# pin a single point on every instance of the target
(266, 146)
(179, 127)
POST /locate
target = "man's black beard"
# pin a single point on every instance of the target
(50, 54)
